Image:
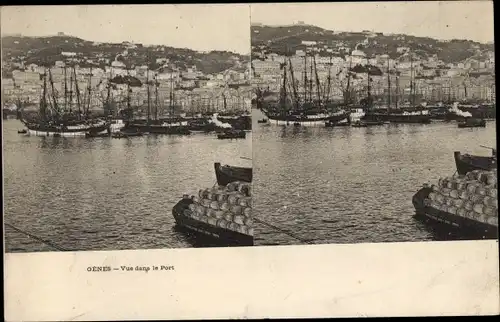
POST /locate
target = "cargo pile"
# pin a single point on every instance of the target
(473, 196)
(228, 207)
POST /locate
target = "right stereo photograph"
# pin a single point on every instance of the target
(373, 122)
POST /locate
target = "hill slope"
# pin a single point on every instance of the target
(47, 50)
(283, 39)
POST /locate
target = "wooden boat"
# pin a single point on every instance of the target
(337, 124)
(472, 122)
(126, 134)
(23, 131)
(466, 163)
(226, 174)
(57, 119)
(262, 121)
(465, 226)
(359, 124)
(97, 135)
(232, 135)
(213, 233)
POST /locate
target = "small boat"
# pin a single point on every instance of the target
(203, 229)
(359, 124)
(232, 135)
(296, 124)
(466, 163)
(97, 135)
(226, 174)
(472, 122)
(466, 226)
(373, 123)
(23, 131)
(336, 124)
(262, 121)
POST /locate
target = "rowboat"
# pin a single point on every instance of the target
(466, 163)
(226, 174)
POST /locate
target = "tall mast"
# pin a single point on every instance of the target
(347, 96)
(65, 90)
(369, 82)
(149, 96)
(305, 77)
(388, 87)
(156, 98)
(310, 84)
(293, 84)
(108, 98)
(89, 89)
(172, 93)
(329, 79)
(70, 91)
(77, 93)
(283, 98)
(412, 97)
(54, 99)
(44, 97)
(128, 89)
(317, 81)
(397, 90)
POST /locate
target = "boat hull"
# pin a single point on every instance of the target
(222, 236)
(467, 124)
(157, 129)
(397, 118)
(227, 174)
(57, 132)
(464, 226)
(307, 121)
(468, 163)
(228, 136)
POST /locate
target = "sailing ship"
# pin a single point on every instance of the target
(313, 109)
(400, 114)
(153, 124)
(55, 118)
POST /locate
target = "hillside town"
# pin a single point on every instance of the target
(180, 77)
(471, 79)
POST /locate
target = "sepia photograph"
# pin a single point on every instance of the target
(153, 153)
(126, 127)
(375, 129)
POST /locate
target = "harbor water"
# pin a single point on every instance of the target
(105, 193)
(352, 185)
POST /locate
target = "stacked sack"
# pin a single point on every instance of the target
(472, 196)
(228, 207)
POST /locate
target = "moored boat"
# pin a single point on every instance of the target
(466, 163)
(359, 124)
(232, 134)
(470, 227)
(23, 131)
(206, 228)
(472, 122)
(227, 174)
(262, 121)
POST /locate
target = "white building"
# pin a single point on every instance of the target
(68, 54)
(309, 42)
(358, 57)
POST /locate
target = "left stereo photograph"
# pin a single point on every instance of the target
(126, 127)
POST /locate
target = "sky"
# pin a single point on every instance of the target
(472, 20)
(200, 27)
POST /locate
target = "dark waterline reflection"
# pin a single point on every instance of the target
(103, 193)
(352, 185)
